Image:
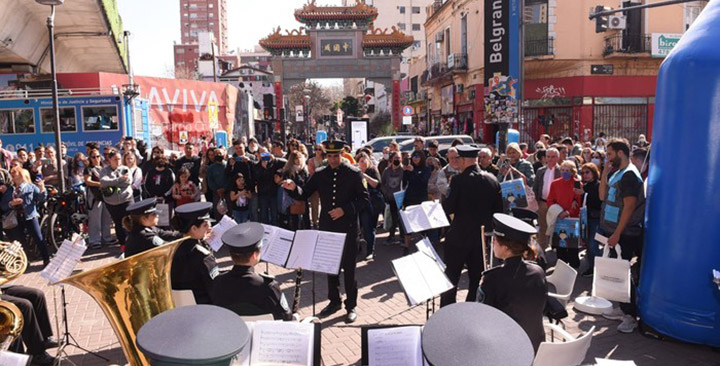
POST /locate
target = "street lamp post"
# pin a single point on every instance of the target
(56, 111)
(306, 97)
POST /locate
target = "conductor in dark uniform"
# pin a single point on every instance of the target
(241, 289)
(343, 195)
(141, 225)
(474, 197)
(517, 288)
(194, 266)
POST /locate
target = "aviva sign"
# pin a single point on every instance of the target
(663, 43)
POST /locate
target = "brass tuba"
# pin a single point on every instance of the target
(11, 324)
(130, 292)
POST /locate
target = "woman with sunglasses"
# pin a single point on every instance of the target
(141, 224)
(99, 219)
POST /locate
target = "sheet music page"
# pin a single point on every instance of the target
(432, 275)
(278, 248)
(282, 343)
(426, 247)
(215, 239)
(268, 233)
(397, 346)
(303, 248)
(435, 214)
(243, 358)
(8, 358)
(415, 219)
(65, 260)
(606, 362)
(409, 275)
(328, 252)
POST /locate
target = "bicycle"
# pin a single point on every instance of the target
(66, 214)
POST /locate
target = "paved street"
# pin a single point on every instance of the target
(381, 301)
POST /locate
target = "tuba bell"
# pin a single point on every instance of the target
(130, 292)
(11, 324)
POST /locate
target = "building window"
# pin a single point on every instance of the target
(416, 45)
(180, 50)
(416, 10)
(402, 9)
(102, 118)
(185, 15)
(416, 27)
(401, 26)
(193, 25)
(193, 6)
(211, 15)
(212, 24)
(211, 6)
(193, 15)
(536, 26)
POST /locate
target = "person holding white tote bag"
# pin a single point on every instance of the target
(621, 217)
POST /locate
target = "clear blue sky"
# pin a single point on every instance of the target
(155, 25)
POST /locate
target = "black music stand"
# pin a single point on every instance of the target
(67, 339)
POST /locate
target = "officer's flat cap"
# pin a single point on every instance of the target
(334, 147)
(467, 151)
(244, 237)
(143, 207)
(512, 228)
(471, 333)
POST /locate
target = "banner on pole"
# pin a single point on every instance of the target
(502, 60)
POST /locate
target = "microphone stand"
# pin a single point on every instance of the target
(67, 338)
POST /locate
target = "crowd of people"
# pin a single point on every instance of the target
(296, 186)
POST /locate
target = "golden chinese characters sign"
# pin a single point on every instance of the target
(336, 47)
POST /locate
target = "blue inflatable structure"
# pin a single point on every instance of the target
(677, 296)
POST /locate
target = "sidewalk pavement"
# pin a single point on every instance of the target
(380, 301)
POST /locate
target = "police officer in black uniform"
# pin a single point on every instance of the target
(141, 224)
(343, 194)
(474, 198)
(517, 288)
(241, 289)
(194, 266)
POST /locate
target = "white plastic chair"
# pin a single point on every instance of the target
(183, 298)
(563, 278)
(571, 352)
(254, 318)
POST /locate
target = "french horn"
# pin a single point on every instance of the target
(130, 292)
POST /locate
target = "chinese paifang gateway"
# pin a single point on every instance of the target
(298, 42)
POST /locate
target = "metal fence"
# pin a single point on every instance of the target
(531, 129)
(539, 47)
(625, 120)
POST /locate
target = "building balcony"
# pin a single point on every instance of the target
(629, 45)
(457, 62)
(437, 73)
(540, 47)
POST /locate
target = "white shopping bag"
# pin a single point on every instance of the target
(611, 279)
(163, 210)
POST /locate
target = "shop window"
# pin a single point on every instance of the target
(67, 120)
(102, 118)
(17, 121)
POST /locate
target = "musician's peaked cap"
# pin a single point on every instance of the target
(194, 211)
(512, 228)
(244, 237)
(471, 333)
(334, 147)
(143, 207)
(467, 151)
(193, 335)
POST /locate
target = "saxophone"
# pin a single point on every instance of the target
(13, 263)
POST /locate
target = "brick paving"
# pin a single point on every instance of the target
(380, 301)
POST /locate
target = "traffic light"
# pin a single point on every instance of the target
(268, 113)
(601, 22)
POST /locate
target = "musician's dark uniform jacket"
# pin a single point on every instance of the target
(519, 289)
(146, 238)
(343, 187)
(248, 293)
(194, 268)
(474, 198)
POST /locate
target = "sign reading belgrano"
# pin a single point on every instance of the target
(663, 43)
(502, 60)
